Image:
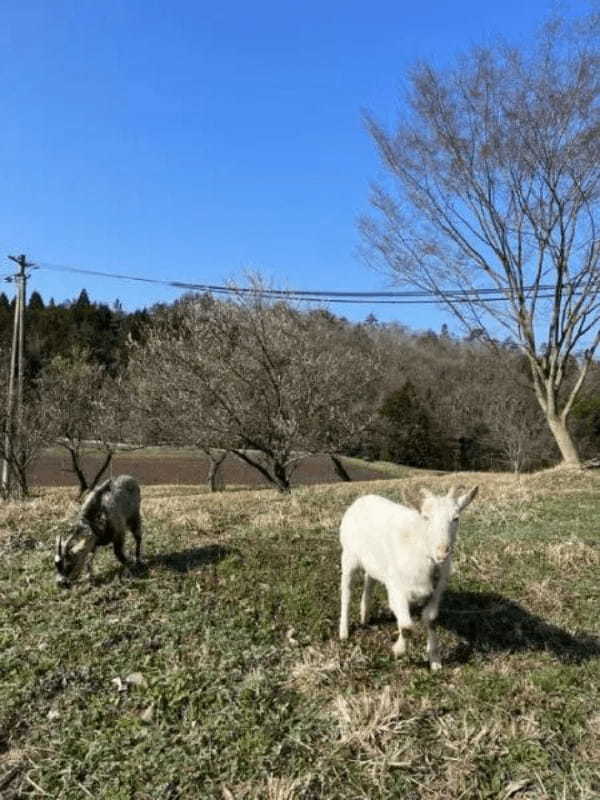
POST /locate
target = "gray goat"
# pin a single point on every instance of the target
(103, 519)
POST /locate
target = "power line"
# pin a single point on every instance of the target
(413, 297)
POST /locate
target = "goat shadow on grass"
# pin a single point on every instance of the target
(488, 622)
(181, 561)
(193, 558)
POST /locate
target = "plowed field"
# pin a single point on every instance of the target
(53, 469)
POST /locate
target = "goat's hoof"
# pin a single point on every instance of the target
(343, 636)
(435, 666)
(399, 649)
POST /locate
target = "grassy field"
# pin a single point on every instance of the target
(217, 673)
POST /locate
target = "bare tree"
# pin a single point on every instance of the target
(22, 442)
(90, 408)
(27, 439)
(516, 428)
(169, 407)
(263, 380)
(495, 195)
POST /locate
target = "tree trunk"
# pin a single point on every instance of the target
(565, 442)
(211, 480)
(22, 488)
(339, 467)
(214, 463)
(278, 477)
(103, 467)
(281, 478)
(75, 464)
(546, 394)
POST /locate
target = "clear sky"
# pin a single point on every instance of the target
(195, 141)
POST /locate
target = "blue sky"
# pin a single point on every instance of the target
(196, 141)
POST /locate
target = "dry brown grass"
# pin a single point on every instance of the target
(274, 788)
(502, 496)
(234, 630)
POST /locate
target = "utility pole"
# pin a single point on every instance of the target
(16, 369)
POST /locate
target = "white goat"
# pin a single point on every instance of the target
(410, 552)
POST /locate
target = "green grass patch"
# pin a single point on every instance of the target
(217, 671)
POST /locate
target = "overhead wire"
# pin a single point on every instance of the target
(412, 297)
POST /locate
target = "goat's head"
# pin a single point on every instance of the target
(441, 515)
(72, 549)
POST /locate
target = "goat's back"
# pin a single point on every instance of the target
(122, 496)
(381, 534)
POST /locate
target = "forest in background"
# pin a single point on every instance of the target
(281, 382)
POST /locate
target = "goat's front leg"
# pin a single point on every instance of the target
(90, 566)
(118, 550)
(399, 605)
(433, 647)
(431, 610)
(429, 616)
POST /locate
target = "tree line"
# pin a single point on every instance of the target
(272, 383)
(53, 328)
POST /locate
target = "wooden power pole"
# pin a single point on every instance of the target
(16, 370)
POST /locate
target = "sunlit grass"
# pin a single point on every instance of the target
(217, 673)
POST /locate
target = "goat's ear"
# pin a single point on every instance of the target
(464, 500)
(410, 500)
(426, 495)
(91, 504)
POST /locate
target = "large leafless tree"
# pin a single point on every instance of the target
(494, 184)
(260, 379)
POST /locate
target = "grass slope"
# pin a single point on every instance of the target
(218, 674)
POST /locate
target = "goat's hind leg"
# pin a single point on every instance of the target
(135, 525)
(365, 600)
(349, 565)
